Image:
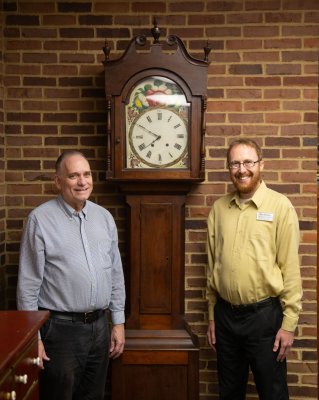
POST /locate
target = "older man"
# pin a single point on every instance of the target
(70, 265)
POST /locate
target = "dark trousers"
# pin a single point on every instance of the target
(79, 356)
(245, 339)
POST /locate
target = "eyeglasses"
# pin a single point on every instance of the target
(247, 164)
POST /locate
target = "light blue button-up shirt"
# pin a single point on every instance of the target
(70, 261)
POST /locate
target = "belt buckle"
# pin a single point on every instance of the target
(237, 307)
(88, 317)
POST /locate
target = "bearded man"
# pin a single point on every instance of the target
(253, 280)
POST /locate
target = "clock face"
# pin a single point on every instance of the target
(157, 125)
(159, 137)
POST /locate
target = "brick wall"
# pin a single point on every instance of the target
(263, 83)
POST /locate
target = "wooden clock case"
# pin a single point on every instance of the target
(161, 357)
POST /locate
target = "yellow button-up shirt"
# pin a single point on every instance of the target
(253, 252)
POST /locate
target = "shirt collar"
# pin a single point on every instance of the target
(257, 198)
(70, 211)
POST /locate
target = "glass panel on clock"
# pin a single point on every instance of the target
(157, 125)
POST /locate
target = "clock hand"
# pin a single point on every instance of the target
(153, 141)
(147, 130)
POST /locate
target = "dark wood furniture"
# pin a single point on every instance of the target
(161, 357)
(19, 354)
(156, 102)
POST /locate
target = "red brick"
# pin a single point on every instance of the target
(288, 56)
(208, 19)
(76, 58)
(112, 7)
(246, 118)
(301, 30)
(59, 117)
(258, 105)
(244, 93)
(41, 7)
(261, 31)
(223, 32)
(229, 5)
(23, 44)
(262, 5)
(59, 70)
(19, 93)
(23, 117)
(43, 58)
(76, 32)
(300, 5)
(38, 33)
(23, 189)
(283, 69)
(300, 105)
(312, 16)
(259, 56)
(187, 32)
(245, 69)
(60, 45)
(261, 81)
(59, 20)
(244, 18)
(224, 106)
(190, 6)
(282, 93)
(152, 7)
(21, 20)
(284, 43)
(40, 105)
(286, 17)
(74, 7)
(95, 19)
(42, 129)
(282, 118)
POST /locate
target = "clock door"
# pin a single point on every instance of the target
(156, 259)
(156, 269)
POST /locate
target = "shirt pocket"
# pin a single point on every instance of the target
(259, 248)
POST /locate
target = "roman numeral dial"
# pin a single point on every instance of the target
(158, 137)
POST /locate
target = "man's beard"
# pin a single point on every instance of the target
(250, 187)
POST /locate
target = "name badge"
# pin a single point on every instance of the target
(265, 216)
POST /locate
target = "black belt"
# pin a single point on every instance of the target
(85, 317)
(244, 308)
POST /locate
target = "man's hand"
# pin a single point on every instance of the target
(211, 334)
(117, 341)
(284, 340)
(42, 354)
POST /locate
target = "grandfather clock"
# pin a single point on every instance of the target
(156, 102)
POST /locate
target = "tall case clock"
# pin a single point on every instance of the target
(156, 102)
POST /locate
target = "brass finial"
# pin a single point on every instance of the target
(155, 31)
(106, 50)
(207, 50)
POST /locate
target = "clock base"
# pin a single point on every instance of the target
(157, 364)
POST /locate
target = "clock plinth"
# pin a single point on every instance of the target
(157, 364)
(156, 104)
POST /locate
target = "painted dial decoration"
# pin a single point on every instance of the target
(157, 125)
